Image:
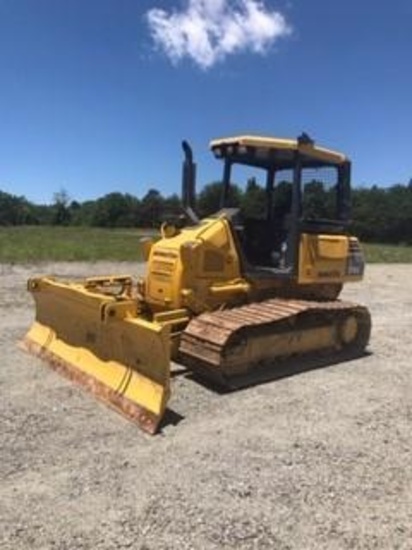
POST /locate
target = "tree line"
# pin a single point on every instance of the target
(379, 214)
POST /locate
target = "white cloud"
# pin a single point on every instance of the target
(207, 31)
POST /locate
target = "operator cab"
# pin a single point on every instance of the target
(299, 188)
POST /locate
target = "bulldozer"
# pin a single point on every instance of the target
(227, 295)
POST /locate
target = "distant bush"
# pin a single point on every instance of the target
(381, 215)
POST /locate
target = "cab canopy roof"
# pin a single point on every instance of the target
(279, 153)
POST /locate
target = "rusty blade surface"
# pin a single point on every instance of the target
(145, 419)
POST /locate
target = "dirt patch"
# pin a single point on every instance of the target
(320, 460)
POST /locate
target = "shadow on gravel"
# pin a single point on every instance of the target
(170, 418)
(270, 372)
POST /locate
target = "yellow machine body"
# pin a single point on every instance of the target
(200, 268)
(194, 268)
(117, 338)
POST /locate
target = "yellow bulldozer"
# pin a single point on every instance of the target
(227, 295)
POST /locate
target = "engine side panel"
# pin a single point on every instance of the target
(329, 259)
(184, 269)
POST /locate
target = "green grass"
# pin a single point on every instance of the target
(36, 244)
(387, 253)
(31, 244)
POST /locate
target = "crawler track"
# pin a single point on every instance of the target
(232, 342)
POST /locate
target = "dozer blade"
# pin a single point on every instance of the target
(99, 341)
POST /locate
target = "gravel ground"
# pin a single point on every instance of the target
(319, 460)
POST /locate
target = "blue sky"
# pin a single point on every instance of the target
(96, 95)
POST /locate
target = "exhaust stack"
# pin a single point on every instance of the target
(189, 183)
